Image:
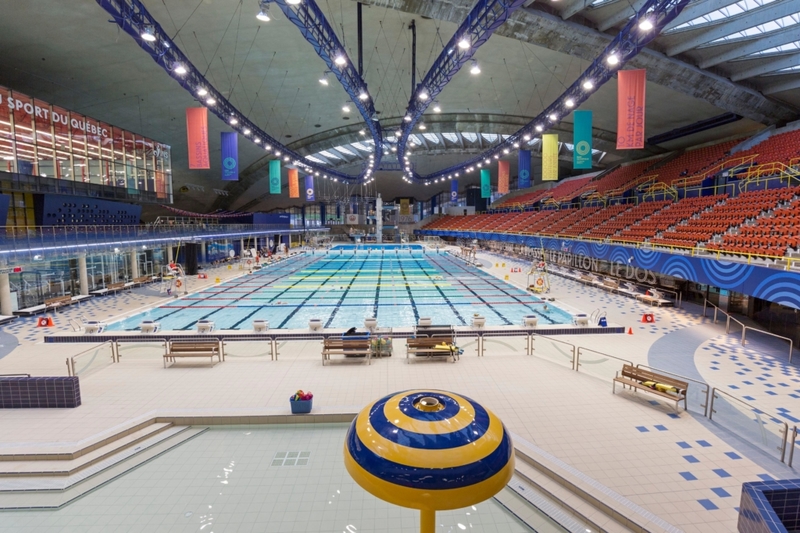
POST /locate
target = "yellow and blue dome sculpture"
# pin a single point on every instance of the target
(429, 450)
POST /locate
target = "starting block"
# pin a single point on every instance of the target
(648, 318)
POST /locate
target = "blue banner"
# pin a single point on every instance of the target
(524, 179)
(230, 156)
(582, 140)
(310, 197)
(454, 191)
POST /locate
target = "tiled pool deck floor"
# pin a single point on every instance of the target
(676, 467)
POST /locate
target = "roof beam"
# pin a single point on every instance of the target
(623, 14)
(765, 67)
(694, 11)
(751, 18)
(757, 44)
(573, 7)
(782, 86)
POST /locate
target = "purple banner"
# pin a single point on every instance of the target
(230, 156)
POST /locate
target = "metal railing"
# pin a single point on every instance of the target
(529, 348)
(792, 446)
(702, 395)
(745, 328)
(92, 360)
(728, 317)
(598, 367)
(751, 328)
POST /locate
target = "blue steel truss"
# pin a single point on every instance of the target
(312, 23)
(625, 46)
(481, 23)
(133, 18)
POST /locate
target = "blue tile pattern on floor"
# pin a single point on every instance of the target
(721, 472)
(708, 505)
(688, 476)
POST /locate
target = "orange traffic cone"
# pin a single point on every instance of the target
(630, 331)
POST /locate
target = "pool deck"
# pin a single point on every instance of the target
(676, 468)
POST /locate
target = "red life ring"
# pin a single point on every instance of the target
(43, 322)
(540, 282)
(249, 262)
(178, 283)
(648, 318)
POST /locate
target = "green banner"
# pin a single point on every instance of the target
(275, 177)
(486, 183)
(582, 140)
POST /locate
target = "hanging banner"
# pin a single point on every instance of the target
(503, 170)
(454, 191)
(197, 137)
(275, 177)
(230, 156)
(486, 183)
(582, 140)
(294, 186)
(404, 208)
(524, 180)
(310, 197)
(630, 109)
(550, 157)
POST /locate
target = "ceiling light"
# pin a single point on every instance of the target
(570, 102)
(553, 117)
(257, 140)
(539, 128)
(148, 34)
(277, 153)
(363, 95)
(496, 156)
(480, 165)
(246, 131)
(613, 59)
(526, 137)
(201, 92)
(233, 121)
(505, 150)
(487, 161)
(398, 133)
(263, 14)
(293, 2)
(179, 69)
(423, 126)
(516, 145)
(436, 108)
(286, 158)
(646, 25)
(407, 118)
(475, 68)
(340, 59)
(464, 43)
(588, 85)
(423, 94)
(324, 79)
(394, 148)
(346, 108)
(211, 101)
(362, 132)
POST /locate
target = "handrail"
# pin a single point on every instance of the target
(578, 356)
(732, 162)
(533, 336)
(791, 449)
(728, 315)
(751, 328)
(14, 375)
(758, 412)
(71, 360)
(701, 383)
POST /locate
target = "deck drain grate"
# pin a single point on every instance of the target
(291, 459)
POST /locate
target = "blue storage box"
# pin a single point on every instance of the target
(301, 406)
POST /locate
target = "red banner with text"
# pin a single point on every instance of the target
(197, 137)
(630, 109)
(502, 177)
(294, 184)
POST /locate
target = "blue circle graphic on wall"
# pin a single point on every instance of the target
(229, 163)
(524, 174)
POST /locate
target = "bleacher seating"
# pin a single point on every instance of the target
(590, 219)
(668, 216)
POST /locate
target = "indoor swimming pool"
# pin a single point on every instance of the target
(397, 284)
(271, 479)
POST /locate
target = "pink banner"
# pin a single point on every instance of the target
(502, 177)
(197, 137)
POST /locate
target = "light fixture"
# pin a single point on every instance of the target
(324, 78)
(464, 43)
(475, 69)
(407, 118)
(588, 85)
(398, 133)
(257, 140)
(201, 91)
(293, 2)
(505, 150)
(516, 145)
(422, 126)
(263, 13)
(497, 156)
(570, 102)
(210, 101)
(526, 137)
(363, 95)
(233, 121)
(286, 158)
(613, 59)
(539, 128)
(148, 34)
(179, 69)
(362, 132)
(277, 153)
(340, 59)
(423, 94)
(553, 117)
(436, 108)
(394, 148)
(487, 161)
(646, 24)
(346, 108)
(246, 131)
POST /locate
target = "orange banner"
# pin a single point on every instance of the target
(294, 184)
(197, 137)
(502, 177)
(630, 109)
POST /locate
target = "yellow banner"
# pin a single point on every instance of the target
(550, 157)
(404, 207)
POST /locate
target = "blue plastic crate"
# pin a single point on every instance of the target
(301, 406)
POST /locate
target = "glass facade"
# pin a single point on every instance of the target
(40, 139)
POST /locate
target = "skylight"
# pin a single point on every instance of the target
(344, 150)
(491, 137)
(789, 47)
(469, 136)
(431, 137)
(315, 159)
(725, 12)
(325, 153)
(452, 137)
(761, 29)
(414, 139)
(362, 147)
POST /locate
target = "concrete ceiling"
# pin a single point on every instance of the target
(77, 59)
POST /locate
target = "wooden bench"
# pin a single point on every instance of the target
(635, 378)
(347, 347)
(141, 280)
(176, 349)
(653, 300)
(426, 338)
(60, 301)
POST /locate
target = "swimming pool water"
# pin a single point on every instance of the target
(341, 287)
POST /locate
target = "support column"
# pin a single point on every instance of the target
(5, 296)
(83, 275)
(134, 264)
(241, 247)
(169, 254)
(379, 219)
(203, 256)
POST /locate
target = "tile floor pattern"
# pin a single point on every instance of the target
(671, 465)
